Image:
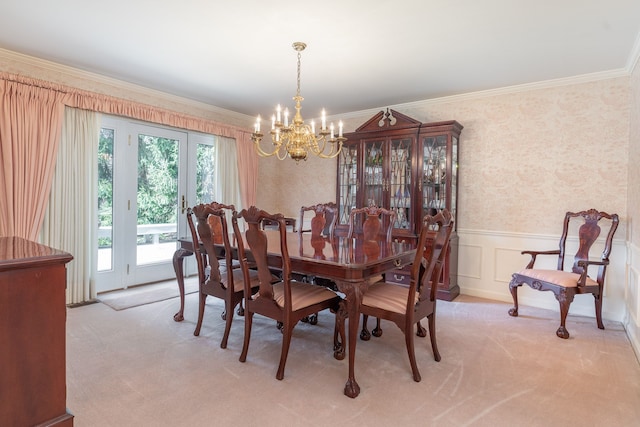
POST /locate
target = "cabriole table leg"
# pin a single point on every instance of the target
(178, 260)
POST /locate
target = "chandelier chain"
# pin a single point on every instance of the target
(298, 90)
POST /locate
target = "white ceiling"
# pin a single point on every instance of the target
(361, 54)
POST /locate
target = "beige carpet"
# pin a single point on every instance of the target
(148, 294)
(138, 367)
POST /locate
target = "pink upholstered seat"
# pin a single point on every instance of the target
(566, 279)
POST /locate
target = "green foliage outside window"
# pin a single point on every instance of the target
(157, 180)
(105, 183)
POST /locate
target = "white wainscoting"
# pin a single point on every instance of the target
(632, 320)
(487, 259)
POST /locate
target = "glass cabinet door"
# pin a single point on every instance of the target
(454, 178)
(374, 179)
(347, 181)
(399, 182)
(434, 174)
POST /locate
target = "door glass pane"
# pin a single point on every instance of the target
(400, 182)
(347, 182)
(373, 174)
(434, 166)
(105, 199)
(205, 174)
(157, 198)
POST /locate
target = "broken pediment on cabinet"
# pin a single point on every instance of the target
(389, 120)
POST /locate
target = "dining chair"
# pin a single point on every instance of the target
(565, 283)
(371, 222)
(321, 226)
(285, 300)
(406, 307)
(323, 222)
(215, 278)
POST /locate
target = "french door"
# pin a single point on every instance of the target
(144, 173)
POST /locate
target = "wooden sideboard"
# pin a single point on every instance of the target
(33, 388)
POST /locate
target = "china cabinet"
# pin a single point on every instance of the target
(399, 163)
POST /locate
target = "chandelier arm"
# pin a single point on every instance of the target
(332, 154)
(261, 152)
(315, 146)
(320, 146)
(281, 156)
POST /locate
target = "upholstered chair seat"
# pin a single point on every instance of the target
(566, 279)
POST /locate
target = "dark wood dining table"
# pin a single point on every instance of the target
(349, 262)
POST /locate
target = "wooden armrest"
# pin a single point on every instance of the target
(587, 263)
(534, 254)
(553, 252)
(584, 264)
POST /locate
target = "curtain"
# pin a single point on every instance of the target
(71, 218)
(248, 166)
(30, 123)
(106, 104)
(228, 187)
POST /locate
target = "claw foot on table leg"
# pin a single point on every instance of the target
(338, 352)
(351, 388)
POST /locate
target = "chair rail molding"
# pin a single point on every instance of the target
(632, 316)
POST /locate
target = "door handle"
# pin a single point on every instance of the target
(184, 205)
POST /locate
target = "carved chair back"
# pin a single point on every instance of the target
(371, 221)
(433, 244)
(324, 220)
(211, 229)
(588, 233)
(256, 239)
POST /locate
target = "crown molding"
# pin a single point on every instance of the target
(634, 56)
(131, 87)
(546, 84)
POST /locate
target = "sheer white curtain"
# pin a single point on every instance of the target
(71, 218)
(228, 182)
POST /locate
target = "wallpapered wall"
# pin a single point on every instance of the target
(634, 160)
(525, 158)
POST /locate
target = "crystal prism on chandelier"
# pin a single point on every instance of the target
(297, 139)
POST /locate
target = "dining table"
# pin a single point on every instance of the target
(349, 262)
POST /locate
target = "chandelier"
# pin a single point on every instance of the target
(296, 138)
